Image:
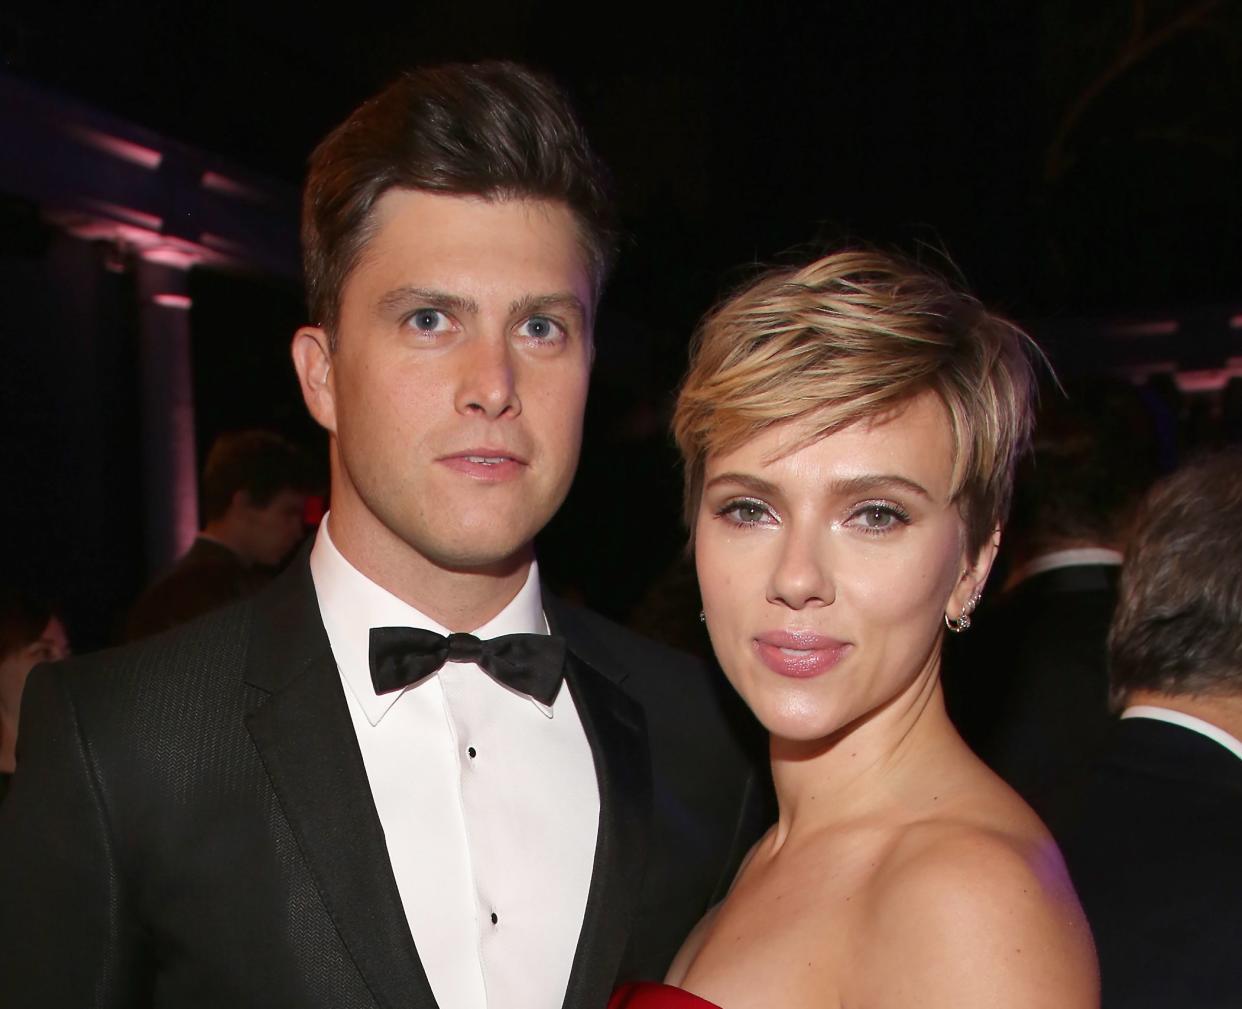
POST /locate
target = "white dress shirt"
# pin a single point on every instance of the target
(1056, 559)
(1212, 732)
(488, 800)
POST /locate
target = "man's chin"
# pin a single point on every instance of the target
(479, 551)
(492, 563)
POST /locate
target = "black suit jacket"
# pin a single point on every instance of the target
(1152, 835)
(1027, 685)
(191, 823)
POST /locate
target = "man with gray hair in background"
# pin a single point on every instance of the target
(1152, 833)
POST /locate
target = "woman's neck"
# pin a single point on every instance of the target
(872, 765)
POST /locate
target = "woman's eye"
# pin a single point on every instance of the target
(878, 518)
(540, 327)
(746, 513)
(429, 320)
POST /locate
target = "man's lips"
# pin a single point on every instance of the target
(799, 654)
(490, 464)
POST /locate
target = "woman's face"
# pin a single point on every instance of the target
(826, 573)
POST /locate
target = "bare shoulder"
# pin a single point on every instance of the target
(959, 914)
(690, 949)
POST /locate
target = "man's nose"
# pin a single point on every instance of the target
(802, 574)
(487, 384)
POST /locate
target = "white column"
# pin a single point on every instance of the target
(169, 466)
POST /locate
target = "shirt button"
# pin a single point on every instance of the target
(495, 919)
(472, 751)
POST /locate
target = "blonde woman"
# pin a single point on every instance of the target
(849, 431)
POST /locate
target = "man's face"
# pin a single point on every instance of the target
(456, 390)
(274, 529)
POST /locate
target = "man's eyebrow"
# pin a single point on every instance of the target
(425, 297)
(565, 300)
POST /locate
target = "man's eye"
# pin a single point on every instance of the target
(541, 328)
(429, 320)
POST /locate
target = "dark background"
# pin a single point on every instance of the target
(1072, 160)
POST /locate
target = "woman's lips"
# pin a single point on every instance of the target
(799, 654)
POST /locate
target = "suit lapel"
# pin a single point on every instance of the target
(307, 743)
(616, 731)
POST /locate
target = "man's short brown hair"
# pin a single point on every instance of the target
(494, 130)
(1178, 624)
(261, 463)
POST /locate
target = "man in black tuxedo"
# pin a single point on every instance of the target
(1152, 832)
(253, 491)
(1028, 687)
(309, 800)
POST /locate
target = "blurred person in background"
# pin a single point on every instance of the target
(30, 633)
(254, 489)
(1152, 832)
(1028, 689)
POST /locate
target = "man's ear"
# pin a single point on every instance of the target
(240, 501)
(969, 587)
(312, 360)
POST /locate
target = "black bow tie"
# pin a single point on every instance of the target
(532, 664)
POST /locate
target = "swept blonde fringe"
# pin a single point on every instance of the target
(854, 336)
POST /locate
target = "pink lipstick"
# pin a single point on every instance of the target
(798, 654)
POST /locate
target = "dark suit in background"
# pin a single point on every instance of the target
(208, 576)
(1153, 839)
(1028, 686)
(214, 842)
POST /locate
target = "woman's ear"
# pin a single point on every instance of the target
(312, 360)
(969, 588)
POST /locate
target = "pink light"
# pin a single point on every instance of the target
(126, 150)
(145, 242)
(165, 255)
(96, 228)
(231, 187)
(131, 216)
(1164, 327)
(222, 244)
(183, 302)
(1236, 321)
(1207, 380)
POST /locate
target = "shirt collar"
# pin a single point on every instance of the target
(1213, 732)
(1076, 557)
(350, 604)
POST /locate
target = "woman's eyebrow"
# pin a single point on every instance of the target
(870, 482)
(749, 481)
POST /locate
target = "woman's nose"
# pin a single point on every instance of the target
(801, 576)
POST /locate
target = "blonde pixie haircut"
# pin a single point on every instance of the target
(855, 336)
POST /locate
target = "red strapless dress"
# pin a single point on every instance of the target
(645, 995)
